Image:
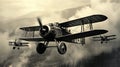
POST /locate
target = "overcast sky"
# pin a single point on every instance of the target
(18, 13)
(12, 9)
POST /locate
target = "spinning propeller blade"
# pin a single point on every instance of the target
(40, 23)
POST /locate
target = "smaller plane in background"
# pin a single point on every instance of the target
(104, 39)
(18, 43)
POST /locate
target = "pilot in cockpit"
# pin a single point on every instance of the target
(51, 25)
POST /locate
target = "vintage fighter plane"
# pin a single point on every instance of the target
(104, 39)
(17, 44)
(59, 33)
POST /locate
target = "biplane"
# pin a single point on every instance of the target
(59, 33)
(104, 39)
(18, 43)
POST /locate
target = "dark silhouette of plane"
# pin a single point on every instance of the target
(104, 39)
(59, 33)
(17, 44)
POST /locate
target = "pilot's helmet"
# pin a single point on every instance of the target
(56, 24)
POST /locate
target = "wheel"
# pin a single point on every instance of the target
(62, 48)
(101, 42)
(13, 48)
(41, 48)
(18, 48)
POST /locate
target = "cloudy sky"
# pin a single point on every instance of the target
(18, 13)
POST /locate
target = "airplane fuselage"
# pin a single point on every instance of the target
(104, 39)
(54, 31)
(18, 44)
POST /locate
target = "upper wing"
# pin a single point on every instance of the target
(32, 28)
(110, 35)
(85, 20)
(32, 39)
(111, 38)
(81, 35)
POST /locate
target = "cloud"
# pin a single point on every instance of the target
(17, 15)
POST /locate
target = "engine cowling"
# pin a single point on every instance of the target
(44, 30)
(40, 48)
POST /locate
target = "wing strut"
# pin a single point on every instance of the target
(82, 30)
(26, 33)
(91, 26)
(33, 33)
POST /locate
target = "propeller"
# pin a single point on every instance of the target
(40, 23)
(42, 28)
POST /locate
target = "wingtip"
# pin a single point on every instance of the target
(104, 17)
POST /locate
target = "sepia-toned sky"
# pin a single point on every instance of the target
(19, 13)
(12, 9)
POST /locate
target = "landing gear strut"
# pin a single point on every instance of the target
(41, 47)
(15, 48)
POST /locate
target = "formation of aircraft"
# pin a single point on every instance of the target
(59, 33)
(17, 44)
(104, 39)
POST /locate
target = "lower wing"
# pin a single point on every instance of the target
(23, 45)
(32, 39)
(81, 35)
(96, 40)
(69, 37)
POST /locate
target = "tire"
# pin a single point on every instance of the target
(14, 48)
(62, 48)
(40, 48)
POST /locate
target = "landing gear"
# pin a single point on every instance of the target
(62, 48)
(101, 42)
(82, 41)
(41, 48)
(18, 48)
(106, 42)
(13, 48)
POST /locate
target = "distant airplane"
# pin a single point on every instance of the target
(59, 33)
(103, 39)
(17, 44)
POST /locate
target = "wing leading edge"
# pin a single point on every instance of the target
(31, 28)
(76, 22)
(84, 20)
(70, 36)
(81, 35)
(32, 39)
